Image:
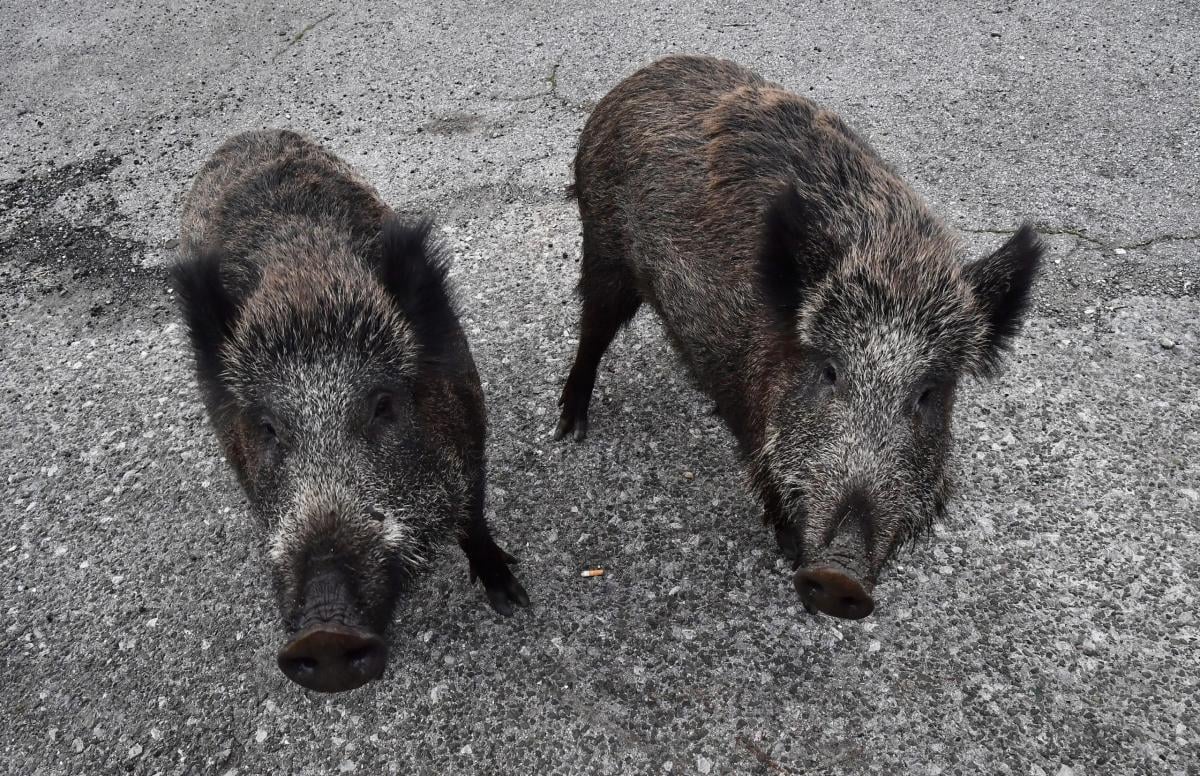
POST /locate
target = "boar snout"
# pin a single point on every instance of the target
(834, 591)
(333, 658)
(331, 651)
(838, 580)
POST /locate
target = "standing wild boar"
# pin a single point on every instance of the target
(811, 293)
(342, 390)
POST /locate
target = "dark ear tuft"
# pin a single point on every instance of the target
(793, 254)
(1002, 283)
(413, 271)
(209, 311)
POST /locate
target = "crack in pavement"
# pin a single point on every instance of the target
(761, 756)
(1082, 236)
(551, 92)
(300, 35)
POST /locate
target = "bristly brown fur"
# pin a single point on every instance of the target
(335, 372)
(808, 289)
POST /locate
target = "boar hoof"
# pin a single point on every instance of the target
(503, 589)
(571, 420)
(503, 597)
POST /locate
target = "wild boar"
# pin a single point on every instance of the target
(811, 294)
(341, 388)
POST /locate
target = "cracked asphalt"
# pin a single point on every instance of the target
(1048, 627)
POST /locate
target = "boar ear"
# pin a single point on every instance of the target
(793, 254)
(1002, 282)
(209, 310)
(413, 271)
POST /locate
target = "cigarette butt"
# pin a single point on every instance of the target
(592, 573)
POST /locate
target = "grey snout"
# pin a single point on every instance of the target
(333, 658)
(837, 579)
(332, 649)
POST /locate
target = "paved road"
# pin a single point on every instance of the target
(1049, 627)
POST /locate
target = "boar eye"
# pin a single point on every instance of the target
(383, 408)
(270, 435)
(924, 399)
(829, 374)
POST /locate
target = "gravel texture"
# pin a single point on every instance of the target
(1048, 628)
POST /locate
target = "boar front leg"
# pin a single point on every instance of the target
(488, 562)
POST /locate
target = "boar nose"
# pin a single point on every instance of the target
(333, 658)
(833, 592)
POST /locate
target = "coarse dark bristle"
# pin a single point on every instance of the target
(209, 310)
(413, 271)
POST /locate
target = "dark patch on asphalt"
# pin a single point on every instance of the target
(38, 192)
(48, 254)
(452, 124)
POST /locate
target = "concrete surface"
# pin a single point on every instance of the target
(1049, 627)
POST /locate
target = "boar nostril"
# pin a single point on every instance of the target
(304, 664)
(360, 655)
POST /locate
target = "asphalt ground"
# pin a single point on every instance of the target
(1049, 626)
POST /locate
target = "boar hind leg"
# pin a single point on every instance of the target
(610, 300)
(489, 563)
